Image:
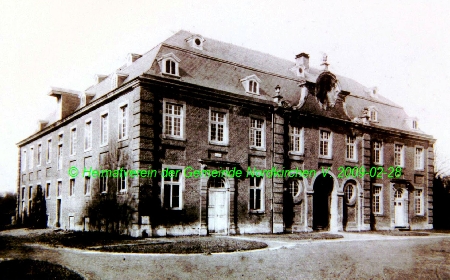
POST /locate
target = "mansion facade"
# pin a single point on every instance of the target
(180, 118)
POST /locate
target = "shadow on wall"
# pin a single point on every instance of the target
(441, 203)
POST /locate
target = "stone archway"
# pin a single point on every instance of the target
(322, 202)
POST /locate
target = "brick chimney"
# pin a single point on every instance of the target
(302, 59)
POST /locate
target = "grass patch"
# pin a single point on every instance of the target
(33, 269)
(186, 245)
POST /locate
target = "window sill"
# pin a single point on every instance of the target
(256, 212)
(171, 137)
(262, 149)
(88, 150)
(378, 164)
(223, 144)
(103, 145)
(122, 139)
(351, 160)
(296, 156)
(171, 75)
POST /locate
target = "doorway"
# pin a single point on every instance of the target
(217, 206)
(322, 202)
(58, 213)
(399, 208)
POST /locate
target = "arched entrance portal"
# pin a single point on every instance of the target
(323, 187)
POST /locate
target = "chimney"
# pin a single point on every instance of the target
(302, 59)
(132, 57)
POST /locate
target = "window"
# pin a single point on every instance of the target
(23, 199)
(398, 155)
(377, 152)
(172, 189)
(122, 180)
(377, 200)
(296, 140)
(350, 151)
(31, 158)
(59, 188)
(60, 156)
(256, 194)
(39, 155)
(350, 193)
(88, 135)
(253, 87)
(173, 120)
(72, 187)
(123, 122)
(373, 114)
(103, 184)
(49, 150)
(218, 129)
(415, 124)
(24, 160)
(325, 144)
(419, 159)
(47, 190)
(295, 187)
(257, 133)
(87, 185)
(73, 140)
(169, 64)
(251, 84)
(418, 202)
(23, 193)
(30, 201)
(104, 129)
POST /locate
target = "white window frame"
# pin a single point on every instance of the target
(352, 146)
(296, 136)
(251, 84)
(73, 140)
(253, 186)
(48, 187)
(373, 113)
(419, 164)
(352, 199)
(380, 152)
(168, 181)
(419, 199)
(49, 150)
(103, 182)
(400, 153)
(39, 154)
(88, 134)
(24, 158)
(87, 185)
(60, 151)
(123, 119)
(329, 142)
(300, 186)
(176, 64)
(217, 123)
(72, 186)
(59, 188)
(104, 128)
(122, 180)
(31, 156)
(380, 199)
(182, 118)
(253, 133)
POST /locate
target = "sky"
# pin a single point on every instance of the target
(401, 47)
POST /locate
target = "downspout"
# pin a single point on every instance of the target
(273, 150)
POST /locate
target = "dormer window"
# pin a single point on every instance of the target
(415, 125)
(169, 64)
(196, 42)
(117, 80)
(83, 99)
(373, 112)
(251, 84)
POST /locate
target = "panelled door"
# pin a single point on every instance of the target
(218, 211)
(399, 209)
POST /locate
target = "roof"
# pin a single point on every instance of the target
(221, 66)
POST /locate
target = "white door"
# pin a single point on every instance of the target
(399, 209)
(71, 222)
(218, 211)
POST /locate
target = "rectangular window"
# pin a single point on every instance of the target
(172, 189)
(73, 140)
(39, 155)
(103, 184)
(325, 144)
(419, 159)
(49, 150)
(122, 181)
(173, 120)
(123, 122)
(256, 194)
(87, 185)
(398, 155)
(59, 188)
(350, 152)
(31, 158)
(72, 187)
(296, 140)
(47, 190)
(418, 202)
(60, 156)
(218, 127)
(257, 133)
(88, 135)
(377, 200)
(104, 129)
(24, 160)
(30, 192)
(377, 153)
(23, 192)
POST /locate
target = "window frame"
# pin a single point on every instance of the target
(60, 151)
(72, 187)
(249, 88)
(122, 181)
(39, 154)
(380, 150)
(298, 137)
(329, 141)
(88, 134)
(49, 150)
(163, 64)
(31, 157)
(352, 200)
(73, 141)
(25, 160)
(253, 130)
(421, 202)
(380, 197)
(87, 185)
(103, 184)
(123, 118)
(104, 132)
(373, 112)
(401, 153)
(225, 123)
(181, 183)
(48, 187)
(59, 188)
(261, 188)
(182, 117)
(353, 146)
(420, 167)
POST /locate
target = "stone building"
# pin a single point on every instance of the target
(216, 138)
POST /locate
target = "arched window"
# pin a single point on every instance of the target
(170, 67)
(169, 64)
(295, 187)
(350, 193)
(398, 194)
(216, 182)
